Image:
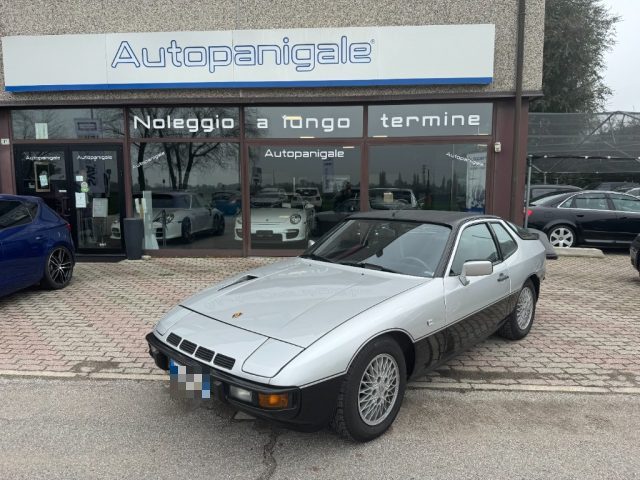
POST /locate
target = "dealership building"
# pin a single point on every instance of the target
(239, 128)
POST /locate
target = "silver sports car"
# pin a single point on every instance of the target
(334, 335)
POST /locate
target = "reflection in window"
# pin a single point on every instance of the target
(195, 192)
(68, 123)
(298, 193)
(430, 177)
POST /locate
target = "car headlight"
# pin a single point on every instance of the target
(295, 218)
(170, 217)
(238, 220)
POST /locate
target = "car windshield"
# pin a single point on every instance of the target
(410, 248)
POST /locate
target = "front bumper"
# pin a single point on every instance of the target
(311, 407)
(275, 233)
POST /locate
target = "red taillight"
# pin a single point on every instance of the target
(68, 225)
(529, 212)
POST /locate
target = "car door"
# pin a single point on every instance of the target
(200, 215)
(474, 310)
(593, 215)
(23, 245)
(627, 208)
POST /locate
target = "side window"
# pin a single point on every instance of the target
(195, 202)
(591, 201)
(508, 245)
(476, 243)
(625, 203)
(13, 214)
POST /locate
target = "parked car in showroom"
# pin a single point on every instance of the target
(634, 253)
(392, 198)
(311, 195)
(278, 218)
(334, 335)
(592, 217)
(634, 191)
(35, 245)
(228, 202)
(182, 215)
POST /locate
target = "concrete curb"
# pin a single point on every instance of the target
(452, 386)
(579, 252)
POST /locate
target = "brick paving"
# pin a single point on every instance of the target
(586, 333)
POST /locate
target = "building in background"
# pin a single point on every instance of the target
(256, 126)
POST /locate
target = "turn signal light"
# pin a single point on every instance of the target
(273, 400)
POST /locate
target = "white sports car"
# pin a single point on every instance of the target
(184, 216)
(278, 218)
(334, 335)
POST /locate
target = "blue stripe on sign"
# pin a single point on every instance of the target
(274, 84)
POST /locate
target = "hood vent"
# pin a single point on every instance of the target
(224, 361)
(246, 278)
(204, 354)
(174, 339)
(187, 346)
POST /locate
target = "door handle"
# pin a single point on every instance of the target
(503, 277)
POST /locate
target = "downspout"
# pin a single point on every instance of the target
(516, 203)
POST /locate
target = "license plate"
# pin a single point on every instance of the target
(188, 382)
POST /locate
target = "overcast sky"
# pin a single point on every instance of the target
(622, 73)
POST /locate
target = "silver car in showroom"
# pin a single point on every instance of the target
(333, 336)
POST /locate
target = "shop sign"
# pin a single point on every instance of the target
(312, 57)
(429, 120)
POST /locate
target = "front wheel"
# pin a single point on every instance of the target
(519, 322)
(58, 269)
(372, 391)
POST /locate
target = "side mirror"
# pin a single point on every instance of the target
(475, 269)
(311, 243)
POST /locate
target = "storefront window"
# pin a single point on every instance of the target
(67, 123)
(430, 177)
(303, 122)
(194, 189)
(299, 192)
(185, 122)
(430, 120)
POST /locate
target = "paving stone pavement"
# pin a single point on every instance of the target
(586, 335)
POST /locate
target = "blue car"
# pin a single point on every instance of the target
(35, 245)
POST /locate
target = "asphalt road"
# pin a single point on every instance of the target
(81, 429)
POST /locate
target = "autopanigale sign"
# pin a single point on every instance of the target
(319, 57)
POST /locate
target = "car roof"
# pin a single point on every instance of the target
(450, 219)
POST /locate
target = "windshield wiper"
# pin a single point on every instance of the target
(372, 266)
(313, 256)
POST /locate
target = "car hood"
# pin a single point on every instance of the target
(299, 300)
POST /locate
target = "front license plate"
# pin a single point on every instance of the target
(187, 382)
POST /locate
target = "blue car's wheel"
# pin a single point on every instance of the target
(59, 268)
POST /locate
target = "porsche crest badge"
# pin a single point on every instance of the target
(236, 315)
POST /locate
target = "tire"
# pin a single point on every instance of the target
(562, 236)
(58, 269)
(520, 320)
(187, 235)
(352, 419)
(219, 228)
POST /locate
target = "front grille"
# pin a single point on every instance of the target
(187, 346)
(224, 361)
(204, 354)
(174, 339)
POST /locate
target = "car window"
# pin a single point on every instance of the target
(476, 244)
(13, 213)
(590, 201)
(508, 245)
(195, 202)
(625, 203)
(551, 199)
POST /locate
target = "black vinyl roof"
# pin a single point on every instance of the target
(451, 219)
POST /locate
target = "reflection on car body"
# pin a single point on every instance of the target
(180, 215)
(335, 334)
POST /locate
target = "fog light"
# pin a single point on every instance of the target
(273, 400)
(240, 394)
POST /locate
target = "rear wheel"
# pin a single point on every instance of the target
(372, 391)
(59, 269)
(519, 322)
(562, 236)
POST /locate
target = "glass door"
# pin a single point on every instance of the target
(96, 181)
(83, 184)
